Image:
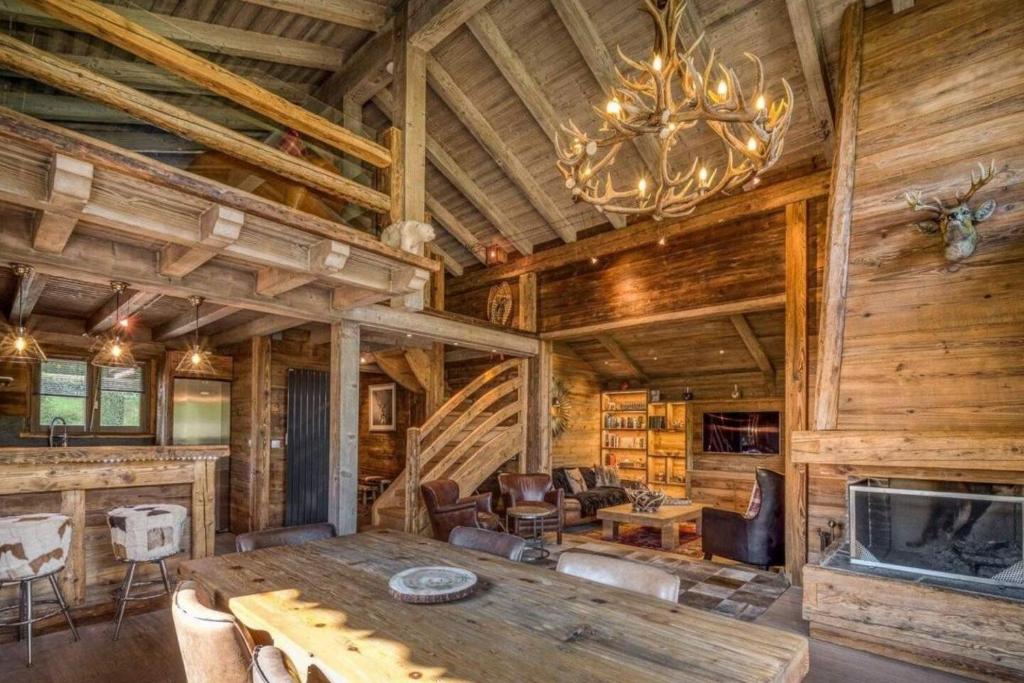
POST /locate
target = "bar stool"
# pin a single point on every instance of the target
(34, 547)
(144, 534)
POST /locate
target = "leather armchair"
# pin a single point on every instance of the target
(756, 538)
(537, 489)
(447, 510)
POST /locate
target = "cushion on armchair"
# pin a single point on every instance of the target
(577, 484)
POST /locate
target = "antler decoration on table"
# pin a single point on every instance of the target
(957, 222)
(661, 99)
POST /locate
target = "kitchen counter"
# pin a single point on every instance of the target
(84, 482)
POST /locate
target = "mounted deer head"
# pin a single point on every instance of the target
(957, 222)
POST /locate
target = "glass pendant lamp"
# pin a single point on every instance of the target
(197, 360)
(115, 351)
(17, 345)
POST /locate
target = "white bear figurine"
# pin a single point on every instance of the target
(408, 236)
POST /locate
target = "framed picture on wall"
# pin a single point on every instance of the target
(382, 407)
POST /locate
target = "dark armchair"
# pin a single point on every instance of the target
(448, 511)
(757, 537)
(535, 489)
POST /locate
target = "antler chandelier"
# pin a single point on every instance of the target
(660, 99)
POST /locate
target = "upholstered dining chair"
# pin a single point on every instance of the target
(447, 510)
(611, 571)
(286, 535)
(491, 542)
(534, 489)
(756, 537)
(215, 647)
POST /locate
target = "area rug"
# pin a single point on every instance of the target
(732, 590)
(647, 537)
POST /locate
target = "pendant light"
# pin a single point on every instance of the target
(17, 345)
(115, 351)
(197, 360)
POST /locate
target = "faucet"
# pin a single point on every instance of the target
(53, 432)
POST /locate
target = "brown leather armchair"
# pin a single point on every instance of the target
(535, 489)
(448, 511)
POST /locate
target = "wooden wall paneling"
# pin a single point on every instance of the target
(538, 456)
(580, 444)
(796, 386)
(344, 434)
(259, 434)
(526, 310)
(840, 215)
(241, 433)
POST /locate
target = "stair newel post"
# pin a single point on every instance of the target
(412, 479)
(523, 368)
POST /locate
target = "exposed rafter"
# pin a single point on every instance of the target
(620, 356)
(368, 16)
(199, 35)
(435, 20)
(186, 322)
(522, 81)
(597, 57)
(455, 228)
(260, 327)
(450, 264)
(132, 302)
(815, 69)
(365, 74)
(25, 300)
(476, 122)
(754, 346)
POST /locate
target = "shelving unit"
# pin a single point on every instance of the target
(624, 433)
(667, 446)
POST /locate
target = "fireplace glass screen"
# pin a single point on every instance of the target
(956, 530)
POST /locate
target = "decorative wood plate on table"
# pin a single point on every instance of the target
(431, 585)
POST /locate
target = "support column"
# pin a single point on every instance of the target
(344, 434)
(526, 320)
(796, 387)
(259, 435)
(538, 456)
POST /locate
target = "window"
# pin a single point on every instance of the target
(63, 392)
(92, 399)
(121, 394)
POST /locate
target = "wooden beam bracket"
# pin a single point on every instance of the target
(69, 189)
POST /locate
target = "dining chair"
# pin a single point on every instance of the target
(286, 535)
(611, 571)
(214, 647)
(268, 666)
(491, 542)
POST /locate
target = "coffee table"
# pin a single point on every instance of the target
(666, 518)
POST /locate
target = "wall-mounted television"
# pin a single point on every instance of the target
(742, 433)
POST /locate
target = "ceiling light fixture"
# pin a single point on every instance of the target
(115, 352)
(197, 359)
(17, 345)
(659, 98)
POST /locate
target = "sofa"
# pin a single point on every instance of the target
(581, 508)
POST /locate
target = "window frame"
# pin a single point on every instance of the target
(93, 390)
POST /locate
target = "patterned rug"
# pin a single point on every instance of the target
(733, 590)
(648, 537)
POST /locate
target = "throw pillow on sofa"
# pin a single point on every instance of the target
(576, 482)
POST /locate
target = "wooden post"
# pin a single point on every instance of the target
(435, 390)
(796, 387)
(840, 210)
(526, 320)
(412, 479)
(259, 435)
(410, 89)
(72, 579)
(524, 412)
(203, 526)
(539, 422)
(344, 436)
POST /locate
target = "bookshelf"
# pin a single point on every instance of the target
(624, 433)
(667, 446)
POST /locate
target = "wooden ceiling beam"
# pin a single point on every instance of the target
(476, 122)
(69, 189)
(368, 16)
(107, 315)
(365, 74)
(186, 323)
(464, 183)
(42, 66)
(115, 28)
(597, 57)
(396, 366)
(756, 202)
(814, 65)
(260, 327)
(219, 227)
(754, 346)
(455, 228)
(620, 356)
(525, 85)
(202, 36)
(450, 264)
(26, 298)
(434, 20)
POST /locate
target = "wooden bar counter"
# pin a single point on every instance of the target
(85, 482)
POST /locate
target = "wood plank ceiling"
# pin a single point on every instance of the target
(491, 174)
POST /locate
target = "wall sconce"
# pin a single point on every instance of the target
(496, 256)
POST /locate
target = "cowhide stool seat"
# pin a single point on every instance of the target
(144, 534)
(34, 547)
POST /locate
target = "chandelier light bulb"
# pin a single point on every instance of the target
(656, 63)
(752, 144)
(723, 88)
(613, 107)
(760, 103)
(642, 186)
(703, 174)
(19, 344)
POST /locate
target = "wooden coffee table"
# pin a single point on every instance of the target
(666, 518)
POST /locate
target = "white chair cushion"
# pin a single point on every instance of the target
(143, 533)
(33, 545)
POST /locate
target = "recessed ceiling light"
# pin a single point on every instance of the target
(593, 260)
(721, 352)
(408, 334)
(661, 242)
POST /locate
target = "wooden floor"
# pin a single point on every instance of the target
(148, 651)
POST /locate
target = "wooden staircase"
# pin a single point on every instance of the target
(481, 427)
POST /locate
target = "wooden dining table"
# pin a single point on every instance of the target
(326, 604)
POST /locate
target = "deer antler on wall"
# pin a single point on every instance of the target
(958, 221)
